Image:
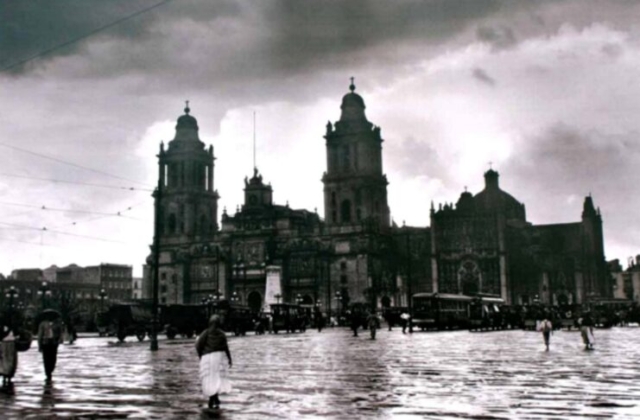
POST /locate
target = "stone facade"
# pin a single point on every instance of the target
(482, 244)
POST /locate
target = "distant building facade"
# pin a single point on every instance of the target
(626, 282)
(482, 244)
(115, 279)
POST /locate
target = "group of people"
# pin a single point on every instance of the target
(585, 323)
(51, 333)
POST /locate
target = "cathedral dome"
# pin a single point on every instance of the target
(493, 199)
(186, 120)
(187, 127)
(352, 106)
(465, 202)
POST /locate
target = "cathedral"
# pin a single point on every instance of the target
(268, 253)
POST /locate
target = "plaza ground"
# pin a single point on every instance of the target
(332, 375)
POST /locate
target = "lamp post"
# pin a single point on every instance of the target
(205, 305)
(299, 299)
(278, 296)
(44, 291)
(239, 268)
(157, 229)
(103, 294)
(235, 297)
(409, 283)
(338, 305)
(11, 294)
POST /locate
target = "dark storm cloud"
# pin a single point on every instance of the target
(499, 37)
(292, 36)
(30, 27)
(482, 76)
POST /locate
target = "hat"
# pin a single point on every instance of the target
(214, 320)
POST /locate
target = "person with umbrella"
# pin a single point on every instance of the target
(49, 333)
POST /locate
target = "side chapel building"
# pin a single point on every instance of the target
(481, 245)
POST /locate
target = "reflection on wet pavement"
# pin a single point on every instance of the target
(447, 375)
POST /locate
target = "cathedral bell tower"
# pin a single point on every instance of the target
(189, 204)
(355, 189)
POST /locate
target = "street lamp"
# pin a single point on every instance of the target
(239, 268)
(299, 299)
(103, 294)
(11, 294)
(278, 296)
(235, 297)
(44, 291)
(205, 305)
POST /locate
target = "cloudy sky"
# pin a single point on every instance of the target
(548, 91)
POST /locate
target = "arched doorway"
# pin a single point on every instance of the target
(385, 301)
(255, 301)
(469, 278)
(307, 300)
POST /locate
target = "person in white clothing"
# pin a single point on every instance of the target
(212, 347)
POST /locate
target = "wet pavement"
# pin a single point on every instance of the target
(331, 375)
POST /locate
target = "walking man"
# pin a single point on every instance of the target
(586, 330)
(546, 327)
(404, 319)
(49, 333)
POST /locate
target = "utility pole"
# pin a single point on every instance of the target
(410, 292)
(156, 261)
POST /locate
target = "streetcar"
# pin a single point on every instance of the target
(186, 320)
(287, 317)
(234, 317)
(441, 311)
(485, 313)
(130, 319)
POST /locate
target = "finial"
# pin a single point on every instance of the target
(490, 165)
(186, 108)
(352, 86)
(465, 188)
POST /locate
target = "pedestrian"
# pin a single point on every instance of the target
(388, 316)
(546, 327)
(212, 346)
(373, 323)
(355, 322)
(405, 317)
(319, 321)
(8, 355)
(586, 330)
(49, 333)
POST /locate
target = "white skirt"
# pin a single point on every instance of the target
(214, 368)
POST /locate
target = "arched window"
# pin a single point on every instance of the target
(255, 301)
(345, 211)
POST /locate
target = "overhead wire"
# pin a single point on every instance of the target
(70, 163)
(46, 208)
(88, 184)
(84, 36)
(45, 229)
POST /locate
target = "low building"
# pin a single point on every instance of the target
(115, 279)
